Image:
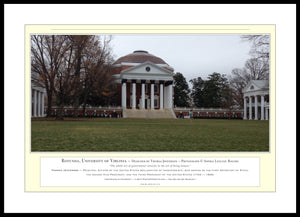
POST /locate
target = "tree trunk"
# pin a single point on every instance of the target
(77, 81)
(76, 105)
(60, 113)
(84, 101)
(49, 107)
(83, 109)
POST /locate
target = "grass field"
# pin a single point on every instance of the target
(147, 135)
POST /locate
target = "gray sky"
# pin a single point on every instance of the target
(192, 55)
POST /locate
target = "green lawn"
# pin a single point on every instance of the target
(121, 135)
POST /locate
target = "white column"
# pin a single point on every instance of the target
(170, 96)
(34, 102)
(143, 96)
(262, 103)
(39, 104)
(152, 95)
(124, 95)
(133, 95)
(245, 108)
(161, 97)
(250, 108)
(256, 108)
(43, 104)
(165, 97)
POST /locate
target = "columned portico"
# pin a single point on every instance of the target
(259, 90)
(159, 97)
(262, 105)
(37, 102)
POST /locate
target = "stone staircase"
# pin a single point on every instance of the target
(148, 113)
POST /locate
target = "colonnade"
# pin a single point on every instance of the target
(264, 109)
(165, 93)
(37, 103)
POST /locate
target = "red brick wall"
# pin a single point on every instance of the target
(211, 114)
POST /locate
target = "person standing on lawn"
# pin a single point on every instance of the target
(191, 114)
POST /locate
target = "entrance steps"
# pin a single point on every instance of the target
(148, 113)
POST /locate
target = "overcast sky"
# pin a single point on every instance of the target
(192, 55)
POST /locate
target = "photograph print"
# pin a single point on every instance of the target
(150, 93)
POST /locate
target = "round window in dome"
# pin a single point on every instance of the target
(148, 68)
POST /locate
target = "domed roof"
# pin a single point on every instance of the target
(140, 56)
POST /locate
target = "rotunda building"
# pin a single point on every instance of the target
(144, 81)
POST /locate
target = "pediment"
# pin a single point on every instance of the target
(251, 87)
(146, 68)
(255, 85)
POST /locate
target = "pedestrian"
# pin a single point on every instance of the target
(191, 114)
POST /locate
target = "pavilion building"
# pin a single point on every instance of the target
(144, 82)
(38, 93)
(256, 100)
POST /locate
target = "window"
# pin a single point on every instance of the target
(155, 103)
(155, 88)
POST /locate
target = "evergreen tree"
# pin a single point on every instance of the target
(212, 93)
(181, 91)
(197, 93)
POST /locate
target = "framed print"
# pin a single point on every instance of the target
(91, 125)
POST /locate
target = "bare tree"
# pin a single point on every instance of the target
(95, 76)
(64, 80)
(256, 68)
(260, 45)
(47, 53)
(80, 44)
(238, 80)
(72, 66)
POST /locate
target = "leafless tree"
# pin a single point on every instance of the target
(47, 54)
(96, 74)
(260, 47)
(68, 65)
(256, 68)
